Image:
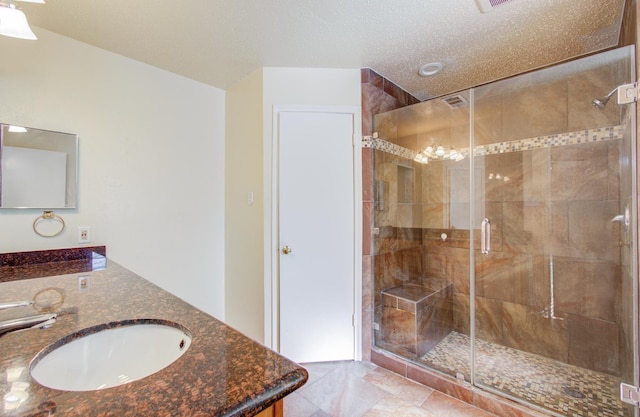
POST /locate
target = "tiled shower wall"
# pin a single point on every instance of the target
(379, 95)
(558, 202)
(553, 215)
(513, 301)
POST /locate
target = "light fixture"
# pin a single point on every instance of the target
(438, 153)
(455, 155)
(428, 70)
(13, 22)
(422, 158)
(17, 129)
(498, 177)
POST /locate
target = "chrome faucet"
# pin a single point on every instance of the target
(5, 306)
(41, 321)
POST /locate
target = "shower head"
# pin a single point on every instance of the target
(601, 102)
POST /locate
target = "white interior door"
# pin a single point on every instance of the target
(316, 221)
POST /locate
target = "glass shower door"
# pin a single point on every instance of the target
(421, 233)
(553, 273)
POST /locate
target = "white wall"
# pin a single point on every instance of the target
(151, 160)
(309, 87)
(244, 246)
(249, 130)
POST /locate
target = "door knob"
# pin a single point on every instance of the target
(286, 250)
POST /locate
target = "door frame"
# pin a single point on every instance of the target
(271, 224)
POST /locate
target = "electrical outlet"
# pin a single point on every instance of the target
(84, 235)
(83, 282)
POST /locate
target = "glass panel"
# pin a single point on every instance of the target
(421, 249)
(553, 320)
(547, 312)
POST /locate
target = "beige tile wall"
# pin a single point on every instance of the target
(557, 205)
(378, 96)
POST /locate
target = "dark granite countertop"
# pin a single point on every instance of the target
(223, 373)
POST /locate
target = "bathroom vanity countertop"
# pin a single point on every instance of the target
(223, 373)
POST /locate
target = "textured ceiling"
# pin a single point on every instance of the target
(218, 42)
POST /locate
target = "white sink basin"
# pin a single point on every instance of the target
(110, 356)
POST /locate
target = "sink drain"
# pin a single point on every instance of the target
(573, 393)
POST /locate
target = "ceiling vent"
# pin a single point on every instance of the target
(455, 101)
(488, 5)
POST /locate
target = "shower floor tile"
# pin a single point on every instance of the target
(561, 388)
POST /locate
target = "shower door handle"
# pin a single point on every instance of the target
(485, 236)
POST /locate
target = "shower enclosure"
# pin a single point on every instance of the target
(505, 236)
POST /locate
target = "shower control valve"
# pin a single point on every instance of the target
(627, 93)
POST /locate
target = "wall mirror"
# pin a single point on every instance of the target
(38, 168)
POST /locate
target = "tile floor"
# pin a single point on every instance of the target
(565, 389)
(361, 389)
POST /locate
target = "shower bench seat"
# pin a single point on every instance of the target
(417, 315)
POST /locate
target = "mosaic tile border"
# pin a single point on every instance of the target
(540, 142)
(388, 147)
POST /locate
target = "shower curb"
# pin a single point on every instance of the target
(464, 392)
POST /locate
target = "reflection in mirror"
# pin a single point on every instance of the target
(38, 168)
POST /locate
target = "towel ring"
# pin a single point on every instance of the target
(48, 215)
(48, 300)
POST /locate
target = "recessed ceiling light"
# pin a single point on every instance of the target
(428, 70)
(17, 129)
